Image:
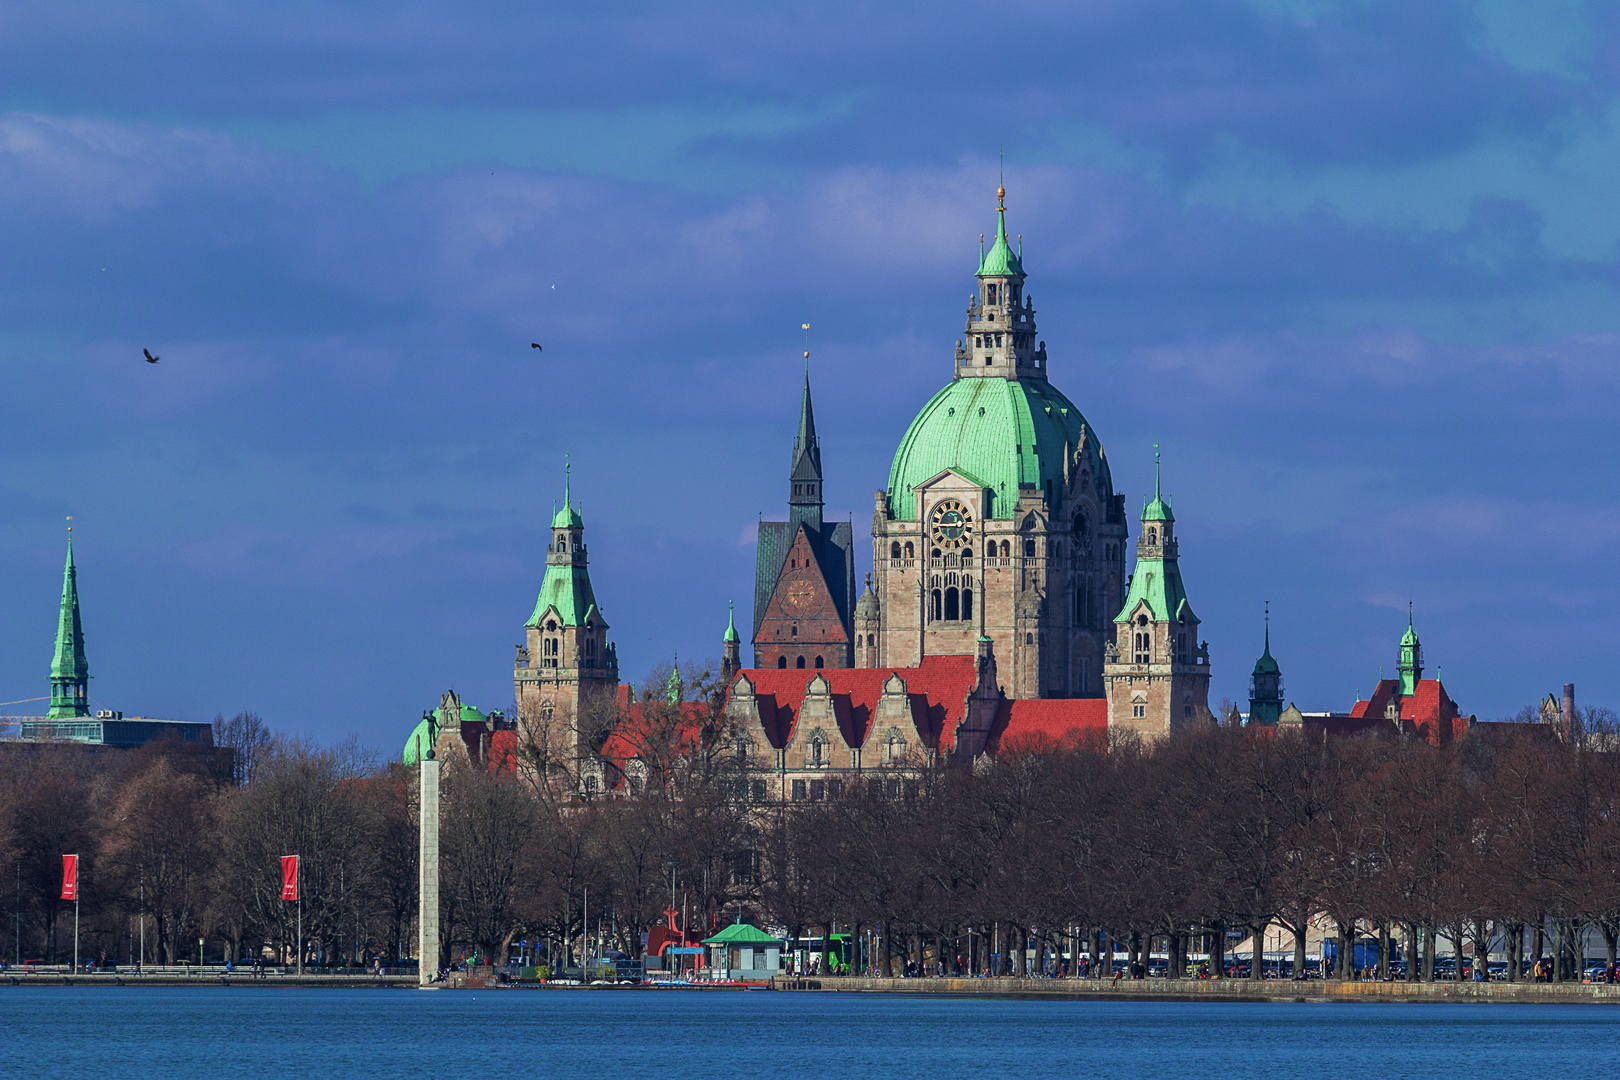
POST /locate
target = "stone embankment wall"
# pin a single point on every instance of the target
(52, 978)
(1215, 989)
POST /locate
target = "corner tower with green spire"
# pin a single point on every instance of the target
(1000, 519)
(1411, 665)
(567, 671)
(70, 671)
(1156, 669)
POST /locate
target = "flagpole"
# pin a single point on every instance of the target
(75, 914)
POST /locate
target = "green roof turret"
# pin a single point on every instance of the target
(70, 671)
(732, 636)
(567, 517)
(1001, 260)
(1265, 685)
(1159, 508)
(1411, 665)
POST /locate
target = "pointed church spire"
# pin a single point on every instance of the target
(70, 671)
(804, 480)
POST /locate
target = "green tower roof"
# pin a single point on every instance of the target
(1410, 637)
(732, 636)
(1159, 508)
(1157, 583)
(567, 517)
(999, 432)
(1266, 665)
(568, 589)
(1001, 260)
(69, 661)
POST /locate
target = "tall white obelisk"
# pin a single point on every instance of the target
(427, 862)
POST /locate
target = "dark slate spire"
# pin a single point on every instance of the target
(70, 671)
(804, 500)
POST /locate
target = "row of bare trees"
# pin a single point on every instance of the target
(1187, 844)
(1495, 843)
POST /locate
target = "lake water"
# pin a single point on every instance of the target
(181, 1033)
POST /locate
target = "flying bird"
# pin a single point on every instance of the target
(150, 359)
(534, 345)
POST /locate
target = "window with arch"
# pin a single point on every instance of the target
(562, 543)
(911, 553)
(967, 553)
(818, 662)
(590, 652)
(939, 604)
(934, 554)
(953, 603)
(967, 603)
(1181, 647)
(818, 752)
(894, 748)
(1143, 646)
(871, 640)
(781, 661)
(799, 663)
(1153, 535)
(1006, 550)
(1029, 547)
(894, 550)
(794, 632)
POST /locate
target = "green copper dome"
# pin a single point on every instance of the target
(998, 432)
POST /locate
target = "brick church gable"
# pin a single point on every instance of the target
(802, 621)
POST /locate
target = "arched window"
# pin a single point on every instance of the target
(952, 605)
(938, 604)
(799, 663)
(894, 550)
(1153, 536)
(818, 752)
(794, 632)
(1006, 550)
(818, 662)
(781, 661)
(934, 554)
(911, 553)
(967, 553)
(1029, 639)
(967, 603)
(1029, 548)
(562, 543)
(871, 640)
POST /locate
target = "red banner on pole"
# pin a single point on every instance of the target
(70, 877)
(289, 877)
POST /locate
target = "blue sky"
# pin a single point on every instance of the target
(1354, 265)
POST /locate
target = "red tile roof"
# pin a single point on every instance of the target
(1430, 711)
(1033, 725)
(937, 689)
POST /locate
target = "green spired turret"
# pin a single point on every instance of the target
(1411, 658)
(1265, 686)
(70, 671)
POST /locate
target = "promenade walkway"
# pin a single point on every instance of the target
(1213, 989)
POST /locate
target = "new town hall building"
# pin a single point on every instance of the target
(1007, 604)
(1001, 605)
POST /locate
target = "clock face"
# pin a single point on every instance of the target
(799, 593)
(953, 526)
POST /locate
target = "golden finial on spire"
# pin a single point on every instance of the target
(1001, 198)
